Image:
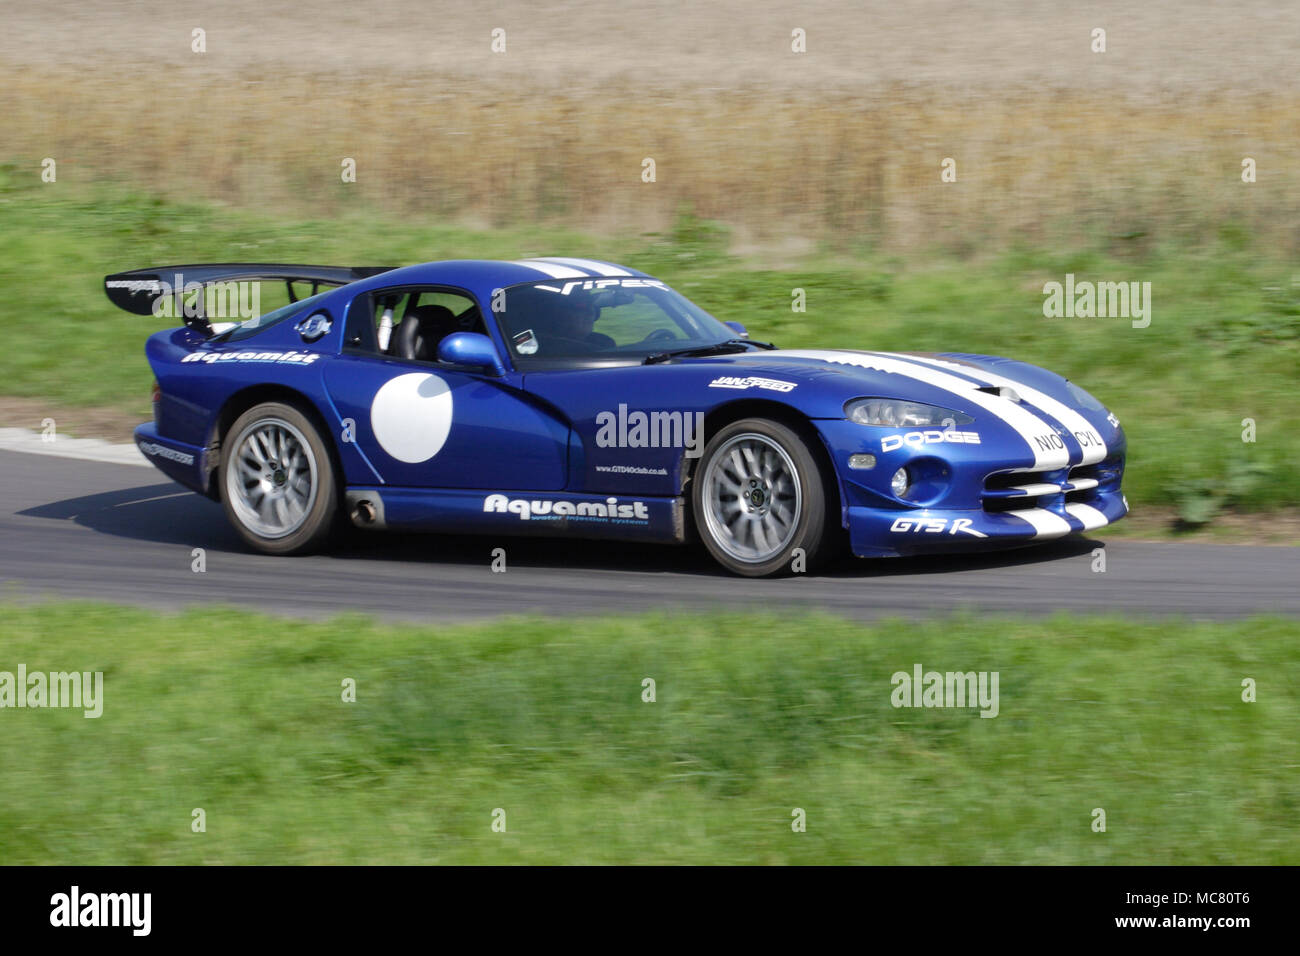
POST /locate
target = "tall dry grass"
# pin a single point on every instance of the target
(1032, 165)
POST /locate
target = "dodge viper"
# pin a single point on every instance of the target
(576, 397)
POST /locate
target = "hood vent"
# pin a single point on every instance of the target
(1001, 391)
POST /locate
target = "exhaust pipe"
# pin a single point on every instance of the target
(365, 506)
(363, 513)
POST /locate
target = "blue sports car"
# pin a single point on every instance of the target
(575, 397)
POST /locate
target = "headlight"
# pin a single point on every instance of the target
(898, 484)
(1083, 398)
(894, 413)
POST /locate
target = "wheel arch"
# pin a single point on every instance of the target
(723, 415)
(246, 398)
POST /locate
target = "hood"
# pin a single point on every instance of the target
(999, 393)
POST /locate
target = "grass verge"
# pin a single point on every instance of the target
(754, 716)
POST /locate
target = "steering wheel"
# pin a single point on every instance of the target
(659, 335)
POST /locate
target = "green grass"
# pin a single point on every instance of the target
(755, 715)
(1223, 344)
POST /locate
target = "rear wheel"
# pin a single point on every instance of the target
(759, 497)
(277, 480)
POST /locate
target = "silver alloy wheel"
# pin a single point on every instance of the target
(271, 478)
(752, 499)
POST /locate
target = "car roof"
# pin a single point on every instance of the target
(483, 276)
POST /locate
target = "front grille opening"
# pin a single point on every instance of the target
(1009, 479)
(1083, 471)
(1001, 505)
(994, 502)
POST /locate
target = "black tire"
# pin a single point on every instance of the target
(728, 506)
(307, 517)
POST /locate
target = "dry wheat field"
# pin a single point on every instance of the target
(843, 142)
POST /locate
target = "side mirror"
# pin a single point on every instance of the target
(470, 350)
(739, 329)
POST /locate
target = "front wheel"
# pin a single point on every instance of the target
(277, 480)
(759, 500)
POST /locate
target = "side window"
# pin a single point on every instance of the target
(409, 322)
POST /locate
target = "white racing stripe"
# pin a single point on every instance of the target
(1048, 449)
(552, 270)
(1046, 524)
(600, 268)
(1090, 516)
(1033, 491)
(1094, 447)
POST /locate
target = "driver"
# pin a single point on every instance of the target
(575, 319)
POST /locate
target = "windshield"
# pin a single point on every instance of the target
(601, 319)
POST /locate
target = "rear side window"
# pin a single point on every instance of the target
(257, 323)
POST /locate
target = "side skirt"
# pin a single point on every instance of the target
(557, 513)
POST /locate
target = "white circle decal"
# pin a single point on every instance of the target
(411, 416)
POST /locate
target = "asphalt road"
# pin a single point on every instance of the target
(121, 533)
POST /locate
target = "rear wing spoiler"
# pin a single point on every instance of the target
(141, 290)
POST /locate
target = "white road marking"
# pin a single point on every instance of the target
(86, 449)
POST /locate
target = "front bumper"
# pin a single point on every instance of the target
(972, 496)
(877, 532)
